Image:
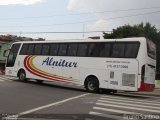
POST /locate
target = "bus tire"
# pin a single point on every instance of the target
(92, 84)
(22, 75)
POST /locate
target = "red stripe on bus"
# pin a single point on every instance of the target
(29, 68)
(44, 73)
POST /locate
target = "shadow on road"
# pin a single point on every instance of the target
(52, 85)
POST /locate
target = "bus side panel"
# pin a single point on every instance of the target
(129, 81)
(39, 67)
(123, 74)
(115, 79)
(72, 71)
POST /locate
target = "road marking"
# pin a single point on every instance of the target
(138, 95)
(1, 80)
(106, 115)
(132, 101)
(4, 80)
(110, 104)
(52, 104)
(113, 110)
(133, 105)
(122, 98)
(7, 78)
(127, 107)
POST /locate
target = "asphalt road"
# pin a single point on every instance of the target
(32, 100)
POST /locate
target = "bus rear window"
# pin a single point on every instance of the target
(151, 49)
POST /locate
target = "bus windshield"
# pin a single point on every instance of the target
(151, 49)
(12, 55)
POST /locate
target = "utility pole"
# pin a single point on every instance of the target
(20, 33)
(83, 30)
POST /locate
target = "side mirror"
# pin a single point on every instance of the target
(6, 53)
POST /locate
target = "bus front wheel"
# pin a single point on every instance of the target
(22, 75)
(92, 84)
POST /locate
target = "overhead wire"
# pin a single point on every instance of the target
(78, 22)
(87, 21)
(51, 32)
(72, 14)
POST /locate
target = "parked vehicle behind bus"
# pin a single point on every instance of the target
(127, 64)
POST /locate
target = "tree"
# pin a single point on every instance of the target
(139, 30)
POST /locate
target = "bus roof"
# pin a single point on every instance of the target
(86, 40)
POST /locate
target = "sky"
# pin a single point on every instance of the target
(37, 18)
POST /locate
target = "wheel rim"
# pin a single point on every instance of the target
(22, 76)
(91, 85)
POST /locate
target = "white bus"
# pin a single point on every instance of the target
(114, 64)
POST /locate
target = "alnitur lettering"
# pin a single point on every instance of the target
(49, 61)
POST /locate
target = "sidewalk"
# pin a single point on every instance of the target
(156, 91)
(157, 83)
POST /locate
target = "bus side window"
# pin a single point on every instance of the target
(131, 50)
(62, 49)
(105, 49)
(93, 50)
(37, 49)
(72, 49)
(24, 49)
(54, 49)
(30, 49)
(45, 49)
(118, 50)
(82, 49)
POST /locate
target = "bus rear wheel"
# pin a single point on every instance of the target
(22, 76)
(92, 85)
